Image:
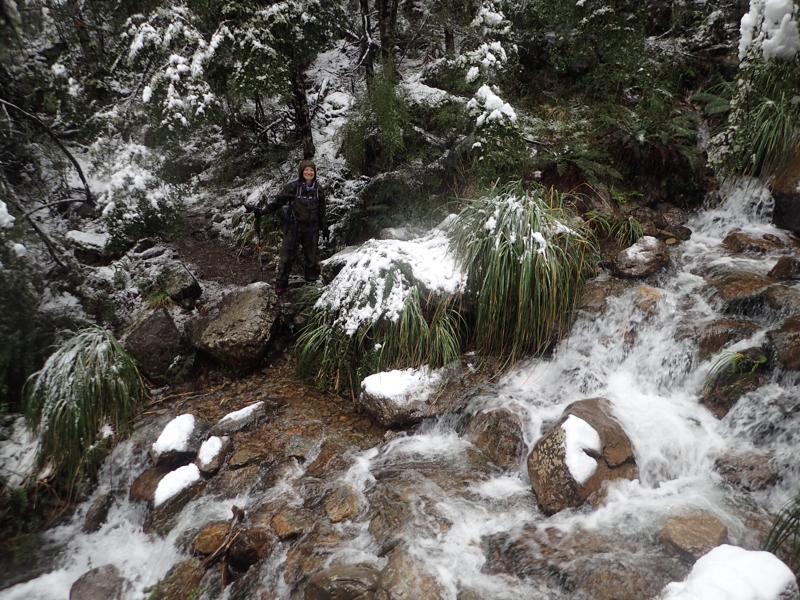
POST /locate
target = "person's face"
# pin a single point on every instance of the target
(309, 174)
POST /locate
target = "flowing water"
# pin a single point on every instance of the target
(460, 514)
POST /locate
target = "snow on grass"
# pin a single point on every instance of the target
(378, 277)
(733, 573)
(580, 437)
(209, 450)
(175, 482)
(403, 385)
(242, 415)
(175, 436)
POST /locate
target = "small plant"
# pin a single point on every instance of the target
(784, 536)
(624, 231)
(735, 369)
(159, 300)
(88, 383)
(527, 259)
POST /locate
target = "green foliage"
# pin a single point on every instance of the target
(624, 231)
(373, 139)
(501, 155)
(527, 259)
(784, 536)
(735, 369)
(158, 300)
(87, 383)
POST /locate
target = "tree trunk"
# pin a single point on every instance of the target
(302, 116)
(449, 42)
(367, 45)
(387, 21)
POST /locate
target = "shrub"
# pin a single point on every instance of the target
(87, 384)
(527, 259)
(784, 536)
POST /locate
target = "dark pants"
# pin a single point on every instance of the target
(293, 238)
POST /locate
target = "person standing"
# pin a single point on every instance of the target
(302, 204)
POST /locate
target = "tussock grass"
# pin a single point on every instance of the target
(784, 536)
(87, 383)
(527, 259)
(624, 232)
(741, 366)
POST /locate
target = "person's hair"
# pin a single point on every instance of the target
(301, 167)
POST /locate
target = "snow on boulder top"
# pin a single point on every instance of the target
(733, 573)
(640, 249)
(175, 482)
(209, 450)
(372, 285)
(402, 386)
(175, 436)
(239, 416)
(6, 220)
(579, 437)
(88, 239)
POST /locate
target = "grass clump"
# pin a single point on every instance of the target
(784, 536)
(88, 383)
(527, 259)
(624, 231)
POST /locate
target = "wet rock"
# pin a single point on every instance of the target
(646, 257)
(238, 331)
(786, 213)
(342, 583)
(144, 486)
(341, 504)
(155, 343)
(161, 517)
(251, 545)
(248, 451)
(331, 459)
(233, 482)
(693, 535)
(170, 451)
(679, 232)
(551, 479)
(393, 409)
(97, 513)
(718, 334)
(782, 300)
(739, 291)
(786, 268)
(623, 581)
(175, 280)
(102, 583)
(405, 578)
(785, 344)
(210, 537)
(597, 292)
(751, 471)
(182, 581)
(739, 242)
(215, 462)
(647, 299)
(292, 522)
(243, 419)
(310, 554)
(300, 447)
(742, 372)
(498, 434)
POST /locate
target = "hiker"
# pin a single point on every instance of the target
(302, 204)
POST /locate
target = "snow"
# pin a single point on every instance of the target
(494, 108)
(733, 573)
(403, 385)
(640, 249)
(417, 93)
(175, 435)
(19, 250)
(241, 415)
(6, 220)
(175, 482)
(773, 23)
(372, 286)
(209, 450)
(18, 454)
(88, 238)
(580, 437)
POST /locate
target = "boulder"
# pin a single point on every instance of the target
(210, 537)
(161, 517)
(239, 329)
(716, 335)
(212, 454)
(175, 280)
(182, 581)
(91, 248)
(341, 583)
(597, 292)
(498, 434)
(751, 471)
(785, 344)
(102, 583)
(743, 372)
(252, 544)
(341, 503)
(782, 300)
(233, 482)
(179, 441)
(786, 213)
(406, 578)
(787, 267)
(646, 257)
(240, 420)
(401, 397)
(97, 513)
(738, 291)
(739, 242)
(552, 479)
(155, 343)
(647, 299)
(310, 554)
(292, 522)
(143, 488)
(693, 535)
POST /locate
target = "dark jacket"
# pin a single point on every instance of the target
(304, 206)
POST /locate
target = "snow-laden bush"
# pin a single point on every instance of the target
(135, 201)
(88, 390)
(762, 132)
(391, 305)
(527, 259)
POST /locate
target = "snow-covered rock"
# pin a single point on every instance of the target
(647, 256)
(400, 397)
(239, 419)
(178, 442)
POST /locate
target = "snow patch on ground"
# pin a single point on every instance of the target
(402, 386)
(733, 573)
(580, 437)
